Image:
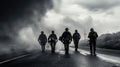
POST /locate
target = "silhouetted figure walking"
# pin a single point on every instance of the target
(92, 41)
(76, 38)
(42, 40)
(52, 39)
(66, 38)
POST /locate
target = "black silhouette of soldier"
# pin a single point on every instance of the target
(42, 40)
(52, 39)
(66, 38)
(92, 41)
(76, 38)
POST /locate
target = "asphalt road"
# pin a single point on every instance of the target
(75, 59)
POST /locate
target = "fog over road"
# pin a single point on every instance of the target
(79, 59)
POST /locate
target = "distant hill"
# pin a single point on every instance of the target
(107, 41)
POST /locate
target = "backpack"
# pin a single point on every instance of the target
(52, 38)
(76, 36)
(93, 35)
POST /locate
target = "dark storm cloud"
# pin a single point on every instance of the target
(17, 14)
(100, 5)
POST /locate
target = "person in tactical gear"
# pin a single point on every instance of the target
(52, 39)
(66, 39)
(92, 41)
(76, 38)
(42, 40)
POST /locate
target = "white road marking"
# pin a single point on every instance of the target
(109, 58)
(13, 59)
(104, 57)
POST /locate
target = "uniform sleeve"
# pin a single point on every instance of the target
(73, 36)
(39, 38)
(56, 37)
(70, 36)
(62, 37)
(89, 35)
(46, 38)
(79, 36)
(96, 35)
(49, 37)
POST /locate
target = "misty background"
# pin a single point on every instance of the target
(21, 21)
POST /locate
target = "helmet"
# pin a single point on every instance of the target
(42, 32)
(66, 29)
(91, 29)
(52, 31)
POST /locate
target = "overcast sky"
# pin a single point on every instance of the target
(25, 19)
(102, 15)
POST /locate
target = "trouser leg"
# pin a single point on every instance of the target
(91, 48)
(51, 44)
(76, 45)
(54, 47)
(94, 48)
(43, 48)
(67, 48)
